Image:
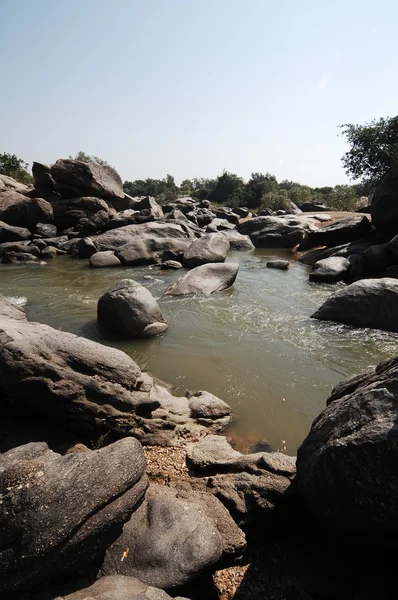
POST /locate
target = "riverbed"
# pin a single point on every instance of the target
(253, 345)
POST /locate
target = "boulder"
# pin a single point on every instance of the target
(49, 252)
(339, 232)
(129, 309)
(111, 240)
(23, 246)
(346, 467)
(282, 265)
(91, 179)
(46, 230)
(330, 270)
(242, 212)
(212, 248)
(237, 241)
(366, 303)
(119, 587)
(384, 205)
(206, 407)
(206, 279)
(230, 216)
(173, 537)
(276, 232)
(147, 203)
(66, 510)
(10, 183)
(86, 248)
(218, 224)
(9, 233)
(43, 180)
(20, 211)
(312, 206)
(99, 260)
(12, 257)
(146, 250)
(76, 211)
(171, 264)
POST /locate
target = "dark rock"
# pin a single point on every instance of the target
(206, 279)
(43, 180)
(18, 257)
(129, 309)
(147, 203)
(145, 250)
(384, 206)
(346, 250)
(229, 216)
(9, 233)
(212, 248)
(23, 246)
(312, 207)
(119, 587)
(330, 270)
(65, 510)
(91, 179)
(171, 264)
(204, 204)
(276, 232)
(20, 211)
(49, 252)
(46, 230)
(218, 224)
(283, 265)
(366, 303)
(173, 537)
(86, 247)
(107, 258)
(72, 212)
(339, 232)
(242, 212)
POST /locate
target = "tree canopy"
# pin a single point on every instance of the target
(372, 148)
(15, 167)
(88, 158)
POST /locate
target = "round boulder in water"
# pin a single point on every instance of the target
(129, 309)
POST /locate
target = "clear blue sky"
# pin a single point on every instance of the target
(192, 87)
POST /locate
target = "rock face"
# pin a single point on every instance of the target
(366, 303)
(129, 309)
(331, 269)
(91, 179)
(340, 232)
(384, 207)
(346, 467)
(65, 510)
(148, 250)
(276, 232)
(119, 587)
(172, 537)
(211, 248)
(20, 211)
(206, 279)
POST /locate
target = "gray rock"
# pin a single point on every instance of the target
(339, 232)
(237, 241)
(206, 279)
(19, 257)
(23, 246)
(129, 309)
(76, 211)
(20, 211)
(9, 233)
(173, 537)
(242, 212)
(65, 510)
(330, 270)
(366, 303)
(171, 264)
(49, 252)
(99, 260)
(119, 587)
(146, 250)
(111, 240)
(346, 467)
(147, 203)
(219, 224)
(204, 405)
(212, 248)
(384, 206)
(276, 232)
(283, 265)
(46, 230)
(10, 183)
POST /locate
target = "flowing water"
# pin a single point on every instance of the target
(253, 345)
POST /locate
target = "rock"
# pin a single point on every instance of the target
(242, 212)
(218, 224)
(237, 241)
(276, 232)
(171, 264)
(366, 303)
(19, 257)
(384, 205)
(119, 587)
(173, 537)
(23, 246)
(111, 240)
(76, 211)
(65, 510)
(49, 252)
(283, 265)
(330, 270)
(107, 258)
(129, 309)
(204, 406)
(91, 179)
(8, 233)
(312, 206)
(206, 279)
(339, 232)
(212, 248)
(43, 180)
(46, 230)
(346, 467)
(86, 248)
(20, 211)
(10, 183)
(148, 250)
(147, 203)
(231, 217)
(346, 250)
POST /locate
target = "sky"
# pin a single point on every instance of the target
(193, 87)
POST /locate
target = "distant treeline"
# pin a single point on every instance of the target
(261, 191)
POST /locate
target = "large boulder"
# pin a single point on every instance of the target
(339, 232)
(21, 211)
(129, 309)
(206, 279)
(173, 537)
(211, 248)
(99, 260)
(111, 240)
(237, 241)
(146, 250)
(75, 211)
(119, 587)
(276, 232)
(91, 179)
(60, 513)
(366, 303)
(147, 203)
(9, 233)
(384, 206)
(330, 270)
(11, 184)
(346, 467)
(43, 180)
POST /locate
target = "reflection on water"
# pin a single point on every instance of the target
(253, 345)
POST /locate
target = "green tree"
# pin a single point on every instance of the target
(14, 167)
(229, 189)
(276, 200)
(372, 148)
(300, 194)
(343, 197)
(88, 158)
(203, 188)
(256, 187)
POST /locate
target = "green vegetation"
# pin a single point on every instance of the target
(15, 167)
(88, 158)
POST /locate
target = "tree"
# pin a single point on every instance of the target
(276, 200)
(87, 158)
(15, 167)
(257, 186)
(372, 148)
(203, 188)
(228, 190)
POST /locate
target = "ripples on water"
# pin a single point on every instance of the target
(253, 345)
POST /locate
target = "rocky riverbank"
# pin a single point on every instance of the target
(140, 490)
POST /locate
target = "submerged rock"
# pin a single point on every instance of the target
(206, 279)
